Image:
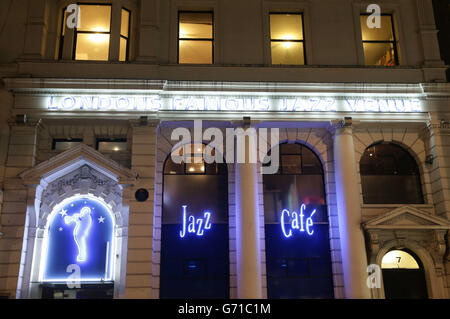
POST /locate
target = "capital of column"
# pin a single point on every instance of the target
(439, 127)
(342, 126)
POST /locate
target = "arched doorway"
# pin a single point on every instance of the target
(194, 228)
(403, 275)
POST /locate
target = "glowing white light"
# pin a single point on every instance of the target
(45, 245)
(83, 223)
(297, 221)
(193, 225)
(218, 103)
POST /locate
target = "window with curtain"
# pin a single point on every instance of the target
(380, 44)
(286, 38)
(195, 37)
(91, 39)
(125, 35)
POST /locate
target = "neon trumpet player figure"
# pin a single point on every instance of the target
(83, 222)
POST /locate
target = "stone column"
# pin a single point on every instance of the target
(141, 275)
(438, 169)
(354, 260)
(248, 260)
(18, 201)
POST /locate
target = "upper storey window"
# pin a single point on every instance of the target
(390, 175)
(125, 35)
(195, 37)
(380, 44)
(90, 37)
(93, 36)
(286, 38)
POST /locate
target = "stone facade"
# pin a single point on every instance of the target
(34, 177)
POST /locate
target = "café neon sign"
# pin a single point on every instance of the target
(297, 222)
(194, 225)
(155, 103)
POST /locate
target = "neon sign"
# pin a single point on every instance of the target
(79, 232)
(297, 222)
(194, 225)
(155, 103)
(83, 223)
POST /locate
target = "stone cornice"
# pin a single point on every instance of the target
(55, 85)
(428, 221)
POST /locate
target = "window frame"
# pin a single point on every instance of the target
(75, 30)
(196, 39)
(56, 140)
(303, 41)
(192, 156)
(417, 174)
(127, 56)
(300, 155)
(62, 33)
(113, 140)
(394, 42)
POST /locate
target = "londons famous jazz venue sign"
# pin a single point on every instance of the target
(155, 103)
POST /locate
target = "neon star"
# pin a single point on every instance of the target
(101, 219)
(60, 229)
(63, 212)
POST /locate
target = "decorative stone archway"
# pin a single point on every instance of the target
(414, 229)
(80, 170)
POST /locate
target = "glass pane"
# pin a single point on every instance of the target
(291, 149)
(125, 23)
(286, 27)
(95, 18)
(377, 34)
(92, 47)
(391, 189)
(112, 146)
(172, 168)
(64, 22)
(123, 49)
(382, 54)
(287, 53)
(289, 191)
(65, 145)
(399, 259)
(196, 25)
(310, 163)
(292, 164)
(199, 52)
(195, 168)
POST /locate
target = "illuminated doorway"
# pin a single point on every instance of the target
(403, 276)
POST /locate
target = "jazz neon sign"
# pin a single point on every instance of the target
(194, 225)
(297, 222)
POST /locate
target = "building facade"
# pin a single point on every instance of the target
(342, 191)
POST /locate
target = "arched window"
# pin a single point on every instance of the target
(403, 275)
(78, 247)
(389, 175)
(194, 232)
(298, 256)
